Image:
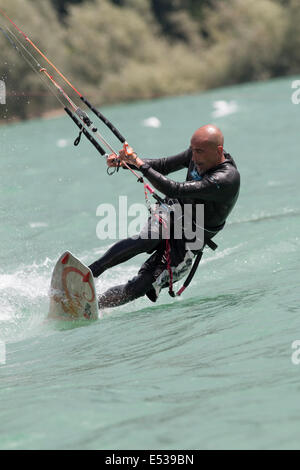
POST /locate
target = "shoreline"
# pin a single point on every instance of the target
(47, 115)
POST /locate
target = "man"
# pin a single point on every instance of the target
(212, 179)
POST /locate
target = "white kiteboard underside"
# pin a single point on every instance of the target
(72, 292)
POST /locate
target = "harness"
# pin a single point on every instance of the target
(167, 253)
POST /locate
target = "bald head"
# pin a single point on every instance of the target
(210, 134)
(207, 147)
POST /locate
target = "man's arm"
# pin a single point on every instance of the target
(163, 166)
(213, 187)
(167, 165)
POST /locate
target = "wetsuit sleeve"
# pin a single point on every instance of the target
(167, 165)
(215, 186)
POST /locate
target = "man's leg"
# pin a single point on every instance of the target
(123, 251)
(133, 289)
(149, 240)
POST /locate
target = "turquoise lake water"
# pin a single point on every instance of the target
(211, 370)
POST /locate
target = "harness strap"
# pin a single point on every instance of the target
(169, 267)
(192, 273)
(211, 245)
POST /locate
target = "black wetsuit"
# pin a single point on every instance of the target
(217, 189)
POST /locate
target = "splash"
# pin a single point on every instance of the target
(23, 300)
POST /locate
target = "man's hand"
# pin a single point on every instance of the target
(131, 159)
(114, 160)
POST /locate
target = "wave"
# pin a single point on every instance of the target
(262, 216)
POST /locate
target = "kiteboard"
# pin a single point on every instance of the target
(72, 291)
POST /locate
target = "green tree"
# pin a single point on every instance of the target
(290, 57)
(27, 95)
(245, 40)
(127, 57)
(61, 6)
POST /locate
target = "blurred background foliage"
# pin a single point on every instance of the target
(117, 50)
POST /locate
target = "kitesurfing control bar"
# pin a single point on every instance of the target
(85, 132)
(104, 119)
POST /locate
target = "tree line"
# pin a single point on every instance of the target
(121, 50)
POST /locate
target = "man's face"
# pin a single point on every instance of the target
(205, 155)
